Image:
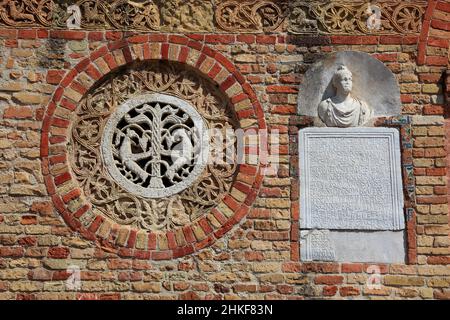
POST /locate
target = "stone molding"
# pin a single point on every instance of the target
(248, 16)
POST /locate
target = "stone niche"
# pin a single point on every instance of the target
(373, 83)
(351, 193)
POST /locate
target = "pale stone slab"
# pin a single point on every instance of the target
(158, 132)
(348, 246)
(350, 179)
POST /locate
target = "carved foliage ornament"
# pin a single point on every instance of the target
(345, 17)
(300, 17)
(250, 16)
(148, 15)
(136, 142)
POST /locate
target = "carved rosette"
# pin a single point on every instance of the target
(135, 146)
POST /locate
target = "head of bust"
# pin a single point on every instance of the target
(342, 80)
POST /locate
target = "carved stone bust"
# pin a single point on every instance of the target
(343, 110)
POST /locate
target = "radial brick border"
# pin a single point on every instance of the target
(68, 198)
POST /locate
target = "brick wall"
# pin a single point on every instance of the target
(257, 255)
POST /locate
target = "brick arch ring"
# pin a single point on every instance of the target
(68, 198)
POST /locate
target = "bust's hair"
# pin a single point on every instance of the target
(340, 73)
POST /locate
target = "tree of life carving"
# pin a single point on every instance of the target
(154, 145)
(100, 124)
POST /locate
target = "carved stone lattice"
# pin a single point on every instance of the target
(345, 17)
(90, 169)
(155, 145)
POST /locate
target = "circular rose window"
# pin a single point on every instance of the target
(141, 149)
(155, 145)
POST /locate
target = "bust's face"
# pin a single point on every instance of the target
(344, 83)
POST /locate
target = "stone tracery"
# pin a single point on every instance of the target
(109, 197)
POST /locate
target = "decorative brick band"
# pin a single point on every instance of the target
(67, 197)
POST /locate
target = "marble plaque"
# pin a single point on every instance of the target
(350, 179)
(353, 246)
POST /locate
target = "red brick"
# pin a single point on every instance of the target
(67, 34)
(62, 178)
(172, 243)
(320, 267)
(58, 252)
(180, 252)
(329, 291)
(157, 38)
(182, 56)
(246, 38)
(132, 239)
(127, 55)
(138, 39)
(348, 291)
(151, 241)
(386, 57)
(178, 39)
(42, 33)
(264, 39)
(98, 53)
(430, 77)
(433, 110)
(95, 36)
(8, 34)
(165, 51)
(117, 44)
(161, 255)
(437, 42)
(71, 195)
(113, 35)
(11, 43)
(95, 224)
(28, 220)
(109, 59)
(438, 260)
(205, 226)
(228, 83)
(391, 39)
(220, 38)
(285, 289)
(432, 200)
(443, 6)
(27, 241)
(346, 40)
(254, 256)
(352, 267)
(18, 112)
(442, 25)
(61, 123)
(27, 34)
(328, 279)
(11, 251)
(55, 76)
(65, 103)
(370, 40)
(436, 61)
(281, 89)
(93, 72)
(436, 171)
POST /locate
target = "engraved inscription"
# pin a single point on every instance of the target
(351, 179)
(317, 245)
